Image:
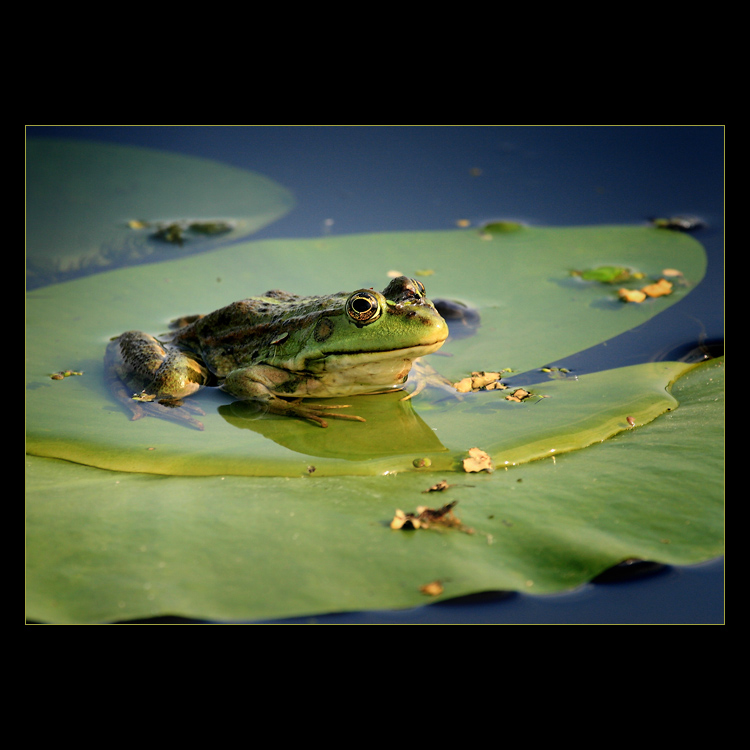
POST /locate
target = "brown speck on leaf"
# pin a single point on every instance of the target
(426, 517)
(65, 374)
(441, 486)
(433, 588)
(518, 395)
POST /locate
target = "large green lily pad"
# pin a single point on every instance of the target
(81, 196)
(136, 519)
(532, 312)
(105, 545)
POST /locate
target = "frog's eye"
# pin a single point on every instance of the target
(363, 307)
(419, 287)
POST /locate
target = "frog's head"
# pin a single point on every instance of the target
(368, 327)
(399, 318)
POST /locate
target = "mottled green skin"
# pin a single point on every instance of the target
(287, 345)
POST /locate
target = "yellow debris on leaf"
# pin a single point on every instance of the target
(477, 460)
(433, 588)
(463, 385)
(518, 395)
(659, 289)
(631, 295)
(481, 380)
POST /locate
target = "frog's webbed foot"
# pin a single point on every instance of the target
(317, 413)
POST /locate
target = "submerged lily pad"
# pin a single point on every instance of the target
(105, 546)
(84, 199)
(519, 285)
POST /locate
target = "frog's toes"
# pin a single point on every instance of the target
(171, 410)
(314, 412)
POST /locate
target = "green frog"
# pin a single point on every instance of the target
(278, 349)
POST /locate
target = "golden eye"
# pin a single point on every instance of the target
(420, 287)
(363, 307)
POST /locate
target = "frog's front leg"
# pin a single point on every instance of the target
(152, 379)
(246, 384)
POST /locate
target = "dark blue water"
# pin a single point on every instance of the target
(352, 180)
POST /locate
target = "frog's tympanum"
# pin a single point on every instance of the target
(278, 349)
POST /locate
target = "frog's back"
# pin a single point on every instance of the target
(247, 332)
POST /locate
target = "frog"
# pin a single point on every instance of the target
(277, 349)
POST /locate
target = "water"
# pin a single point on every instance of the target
(360, 180)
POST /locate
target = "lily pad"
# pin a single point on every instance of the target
(173, 526)
(84, 200)
(530, 314)
(105, 546)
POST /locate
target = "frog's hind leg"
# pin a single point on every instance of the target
(151, 379)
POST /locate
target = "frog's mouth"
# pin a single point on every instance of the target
(343, 358)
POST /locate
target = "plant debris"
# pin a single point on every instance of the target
(478, 460)
(482, 381)
(680, 223)
(608, 274)
(426, 517)
(441, 486)
(64, 374)
(433, 588)
(620, 274)
(520, 394)
(177, 232)
(658, 289)
(631, 295)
